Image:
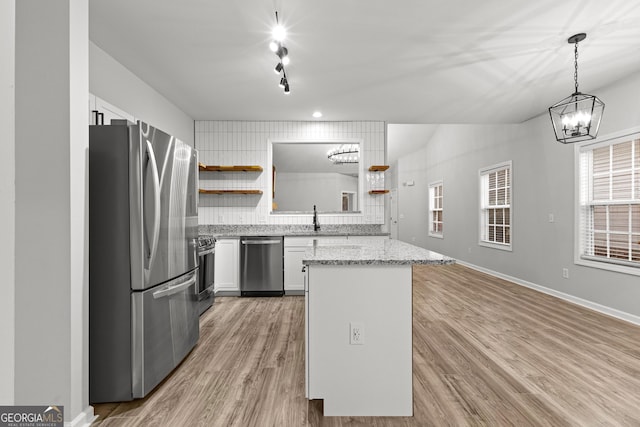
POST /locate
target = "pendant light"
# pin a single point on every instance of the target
(577, 117)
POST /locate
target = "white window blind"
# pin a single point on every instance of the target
(436, 209)
(495, 206)
(609, 201)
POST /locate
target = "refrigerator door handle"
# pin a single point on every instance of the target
(175, 288)
(155, 230)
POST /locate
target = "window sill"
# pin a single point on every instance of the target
(498, 246)
(609, 266)
(437, 236)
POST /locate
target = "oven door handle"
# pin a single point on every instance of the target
(207, 252)
(174, 289)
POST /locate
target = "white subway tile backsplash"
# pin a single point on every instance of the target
(246, 142)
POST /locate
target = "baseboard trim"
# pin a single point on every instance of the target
(84, 418)
(227, 294)
(618, 314)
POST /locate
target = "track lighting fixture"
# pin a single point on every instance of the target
(276, 46)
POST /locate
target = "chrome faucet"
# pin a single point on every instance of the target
(316, 223)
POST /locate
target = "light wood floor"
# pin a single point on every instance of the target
(486, 353)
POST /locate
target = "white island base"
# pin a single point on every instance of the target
(373, 378)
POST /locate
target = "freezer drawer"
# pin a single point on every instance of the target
(165, 328)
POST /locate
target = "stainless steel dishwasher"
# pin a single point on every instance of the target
(261, 266)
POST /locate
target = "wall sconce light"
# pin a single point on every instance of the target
(577, 117)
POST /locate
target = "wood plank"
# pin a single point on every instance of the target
(229, 168)
(378, 168)
(486, 352)
(203, 191)
(378, 191)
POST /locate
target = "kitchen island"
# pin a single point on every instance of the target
(358, 307)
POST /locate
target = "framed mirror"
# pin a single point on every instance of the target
(303, 175)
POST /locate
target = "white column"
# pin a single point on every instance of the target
(51, 142)
(7, 201)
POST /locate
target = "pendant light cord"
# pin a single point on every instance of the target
(575, 74)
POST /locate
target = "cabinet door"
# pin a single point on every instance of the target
(293, 275)
(227, 265)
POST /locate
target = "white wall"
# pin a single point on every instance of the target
(111, 81)
(247, 143)
(7, 201)
(543, 184)
(300, 191)
(51, 142)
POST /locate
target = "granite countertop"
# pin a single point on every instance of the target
(291, 230)
(365, 252)
(320, 233)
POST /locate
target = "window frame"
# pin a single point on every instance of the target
(432, 187)
(482, 172)
(594, 261)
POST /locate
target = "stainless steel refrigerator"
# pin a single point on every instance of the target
(143, 239)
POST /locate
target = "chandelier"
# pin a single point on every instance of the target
(577, 117)
(346, 153)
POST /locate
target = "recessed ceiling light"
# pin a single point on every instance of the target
(317, 114)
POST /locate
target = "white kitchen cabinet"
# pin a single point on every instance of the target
(227, 267)
(293, 275)
(294, 249)
(101, 112)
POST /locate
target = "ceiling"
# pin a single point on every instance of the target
(415, 61)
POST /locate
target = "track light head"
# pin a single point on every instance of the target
(286, 89)
(274, 46)
(282, 51)
(279, 33)
(283, 82)
(278, 68)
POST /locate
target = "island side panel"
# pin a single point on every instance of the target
(372, 379)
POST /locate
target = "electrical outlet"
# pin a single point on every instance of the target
(565, 273)
(356, 333)
(551, 218)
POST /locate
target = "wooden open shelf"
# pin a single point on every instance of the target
(234, 168)
(378, 191)
(378, 168)
(203, 191)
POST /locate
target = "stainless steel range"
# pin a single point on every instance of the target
(206, 264)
